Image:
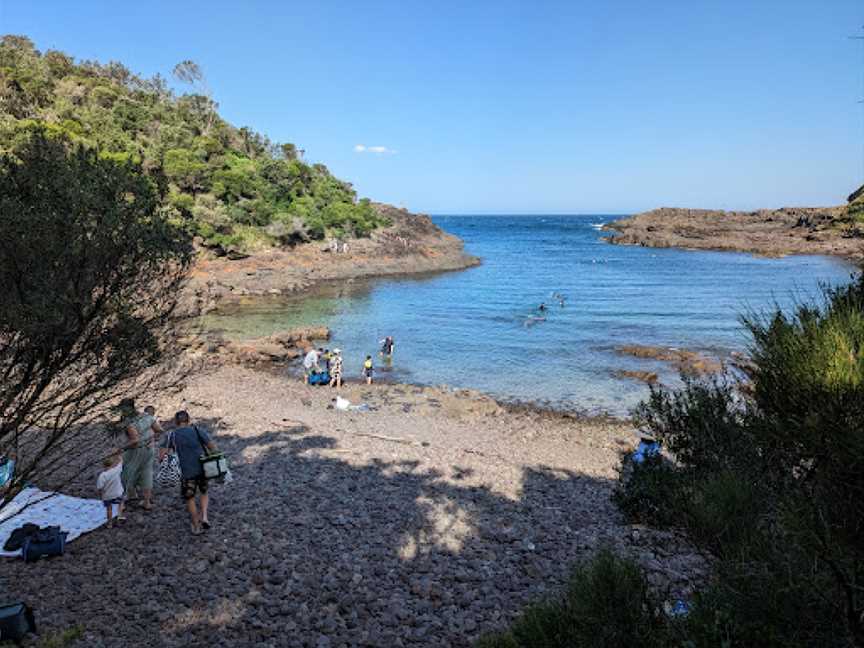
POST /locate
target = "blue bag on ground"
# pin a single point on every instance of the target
(50, 541)
(319, 378)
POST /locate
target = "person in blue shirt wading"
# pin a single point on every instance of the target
(189, 442)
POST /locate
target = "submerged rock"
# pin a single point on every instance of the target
(691, 363)
(649, 377)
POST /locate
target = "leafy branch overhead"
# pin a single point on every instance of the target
(230, 186)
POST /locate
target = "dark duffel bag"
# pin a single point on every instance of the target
(50, 541)
(16, 620)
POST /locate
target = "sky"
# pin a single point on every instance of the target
(535, 106)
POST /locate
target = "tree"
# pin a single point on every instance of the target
(91, 274)
(289, 151)
(190, 73)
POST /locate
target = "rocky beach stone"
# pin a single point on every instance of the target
(376, 528)
(277, 348)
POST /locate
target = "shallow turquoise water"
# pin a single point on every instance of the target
(474, 329)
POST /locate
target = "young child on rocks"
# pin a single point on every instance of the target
(110, 487)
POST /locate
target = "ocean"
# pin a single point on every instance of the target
(481, 328)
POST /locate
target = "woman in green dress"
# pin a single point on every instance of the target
(138, 454)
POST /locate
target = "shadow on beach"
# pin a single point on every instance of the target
(310, 550)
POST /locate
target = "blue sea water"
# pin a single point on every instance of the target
(476, 328)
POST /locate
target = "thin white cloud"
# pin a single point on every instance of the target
(377, 150)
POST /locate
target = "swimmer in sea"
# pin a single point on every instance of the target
(387, 346)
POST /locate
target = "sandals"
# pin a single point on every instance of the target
(197, 530)
(205, 525)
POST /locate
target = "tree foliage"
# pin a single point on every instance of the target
(211, 166)
(90, 276)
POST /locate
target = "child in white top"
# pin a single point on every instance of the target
(110, 486)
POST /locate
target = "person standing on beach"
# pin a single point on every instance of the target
(190, 442)
(336, 368)
(368, 369)
(110, 487)
(138, 455)
(310, 363)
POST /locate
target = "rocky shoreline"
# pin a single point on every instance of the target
(412, 244)
(766, 232)
(431, 518)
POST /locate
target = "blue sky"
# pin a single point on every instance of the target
(518, 107)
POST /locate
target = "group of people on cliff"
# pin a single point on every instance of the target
(128, 476)
(330, 363)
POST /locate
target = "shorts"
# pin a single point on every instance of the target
(368, 372)
(188, 487)
(110, 503)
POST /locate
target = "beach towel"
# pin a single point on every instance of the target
(73, 515)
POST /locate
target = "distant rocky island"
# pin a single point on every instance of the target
(835, 231)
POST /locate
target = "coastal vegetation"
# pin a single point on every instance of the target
(230, 186)
(764, 473)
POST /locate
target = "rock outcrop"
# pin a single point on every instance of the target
(690, 363)
(412, 244)
(277, 348)
(777, 232)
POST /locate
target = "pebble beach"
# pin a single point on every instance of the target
(428, 520)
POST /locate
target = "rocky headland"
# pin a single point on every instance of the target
(767, 232)
(412, 244)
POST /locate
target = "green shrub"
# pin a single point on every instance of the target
(722, 513)
(648, 491)
(606, 604)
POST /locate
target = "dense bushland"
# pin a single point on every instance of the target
(231, 186)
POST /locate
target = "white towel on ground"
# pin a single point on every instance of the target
(73, 515)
